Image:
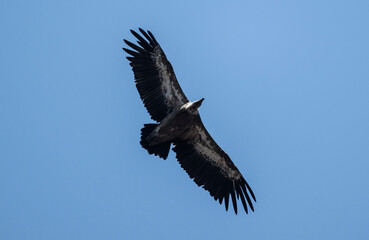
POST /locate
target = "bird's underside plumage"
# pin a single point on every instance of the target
(198, 154)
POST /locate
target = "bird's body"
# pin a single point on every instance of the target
(179, 123)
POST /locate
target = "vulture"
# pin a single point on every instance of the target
(179, 124)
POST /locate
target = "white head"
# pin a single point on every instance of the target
(193, 107)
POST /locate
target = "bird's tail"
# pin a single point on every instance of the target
(161, 150)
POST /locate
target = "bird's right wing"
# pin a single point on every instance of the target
(154, 76)
(210, 167)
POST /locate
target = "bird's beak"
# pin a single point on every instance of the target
(199, 102)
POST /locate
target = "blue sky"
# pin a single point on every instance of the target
(286, 87)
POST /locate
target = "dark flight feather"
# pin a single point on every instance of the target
(151, 68)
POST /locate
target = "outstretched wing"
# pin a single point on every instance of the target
(154, 76)
(210, 167)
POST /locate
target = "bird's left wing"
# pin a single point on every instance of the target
(154, 76)
(210, 167)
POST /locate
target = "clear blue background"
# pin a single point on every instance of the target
(286, 87)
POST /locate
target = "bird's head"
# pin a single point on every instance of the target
(193, 107)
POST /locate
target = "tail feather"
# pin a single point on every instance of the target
(161, 150)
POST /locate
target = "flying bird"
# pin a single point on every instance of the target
(179, 124)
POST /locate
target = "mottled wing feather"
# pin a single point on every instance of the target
(154, 76)
(210, 167)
